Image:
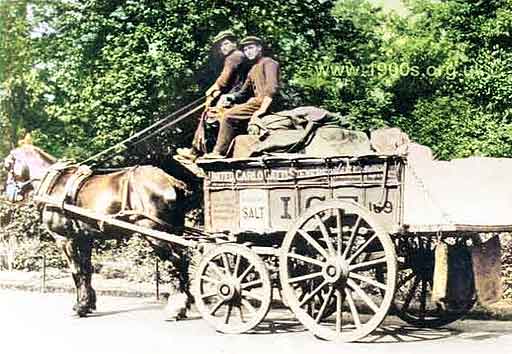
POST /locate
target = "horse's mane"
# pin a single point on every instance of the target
(43, 153)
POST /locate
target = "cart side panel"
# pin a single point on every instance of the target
(221, 210)
(248, 197)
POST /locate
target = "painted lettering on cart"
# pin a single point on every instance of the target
(286, 202)
(253, 213)
(387, 208)
(311, 200)
(286, 208)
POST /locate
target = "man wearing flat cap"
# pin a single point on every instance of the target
(231, 79)
(252, 101)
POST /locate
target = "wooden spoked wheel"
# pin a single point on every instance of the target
(232, 289)
(338, 271)
(413, 299)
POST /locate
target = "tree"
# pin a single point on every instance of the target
(113, 67)
(14, 65)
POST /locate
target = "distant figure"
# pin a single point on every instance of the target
(254, 99)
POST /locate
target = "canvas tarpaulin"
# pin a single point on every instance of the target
(471, 192)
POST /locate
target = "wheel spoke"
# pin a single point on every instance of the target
(217, 306)
(339, 313)
(361, 249)
(367, 265)
(352, 238)
(313, 243)
(226, 263)
(248, 305)
(206, 296)
(312, 294)
(324, 305)
(410, 295)
(252, 284)
(209, 279)
(242, 316)
(304, 277)
(246, 271)
(248, 294)
(339, 230)
(217, 270)
(306, 259)
(368, 280)
(423, 300)
(228, 313)
(405, 280)
(363, 295)
(353, 308)
(237, 265)
(326, 235)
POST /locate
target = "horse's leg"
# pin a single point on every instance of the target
(86, 301)
(180, 301)
(69, 251)
(92, 293)
(184, 276)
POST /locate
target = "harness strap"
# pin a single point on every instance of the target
(127, 209)
(74, 184)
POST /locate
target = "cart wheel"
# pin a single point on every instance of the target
(415, 280)
(304, 288)
(232, 289)
(342, 248)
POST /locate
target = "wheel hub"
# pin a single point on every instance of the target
(335, 271)
(228, 290)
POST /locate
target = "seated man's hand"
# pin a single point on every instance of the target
(226, 100)
(257, 115)
(213, 91)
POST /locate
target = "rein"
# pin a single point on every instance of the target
(141, 136)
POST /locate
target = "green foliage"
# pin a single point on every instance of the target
(111, 68)
(459, 104)
(132, 259)
(94, 72)
(23, 237)
(506, 265)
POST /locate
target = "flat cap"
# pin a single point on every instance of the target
(224, 35)
(251, 40)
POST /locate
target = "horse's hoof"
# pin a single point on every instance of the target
(82, 313)
(179, 317)
(88, 309)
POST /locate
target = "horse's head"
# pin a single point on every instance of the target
(25, 166)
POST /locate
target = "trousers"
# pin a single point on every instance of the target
(234, 122)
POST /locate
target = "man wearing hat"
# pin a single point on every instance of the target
(254, 99)
(231, 79)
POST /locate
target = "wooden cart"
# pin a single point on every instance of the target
(330, 233)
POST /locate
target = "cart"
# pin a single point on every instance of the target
(330, 235)
(334, 235)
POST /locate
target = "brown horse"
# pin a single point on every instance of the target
(143, 195)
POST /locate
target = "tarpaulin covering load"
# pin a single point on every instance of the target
(473, 194)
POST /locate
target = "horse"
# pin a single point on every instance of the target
(143, 195)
